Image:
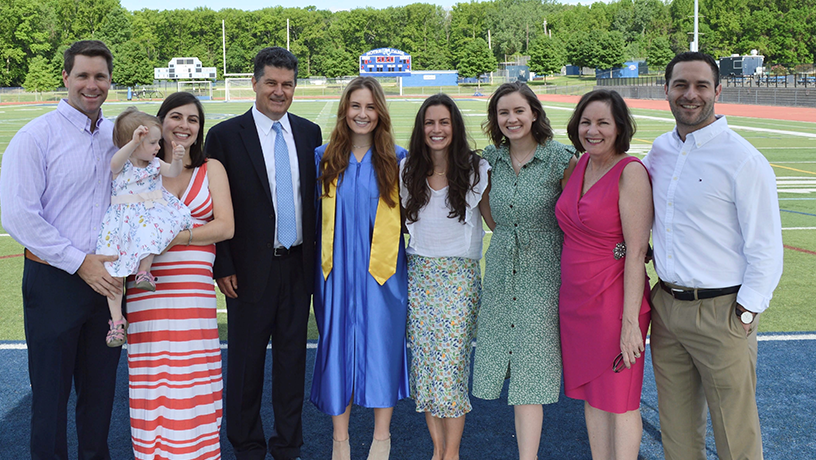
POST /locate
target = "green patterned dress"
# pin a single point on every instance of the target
(518, 322)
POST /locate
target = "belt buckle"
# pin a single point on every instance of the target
(280, 252)
(676, 292)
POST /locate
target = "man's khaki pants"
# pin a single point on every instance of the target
(701, 355)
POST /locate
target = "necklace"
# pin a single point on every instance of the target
(440, 173)
(355, 146)
(526, 157)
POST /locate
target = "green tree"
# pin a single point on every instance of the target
(547, 56)
(660, 53)
(477, 59)
(336, 62)
(610, 51)
(581, 50)
(132, 65)
(41, 76)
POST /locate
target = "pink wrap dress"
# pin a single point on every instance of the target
(591, 294)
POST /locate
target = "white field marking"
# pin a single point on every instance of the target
(746, 128)
(324, 112)
(797, 199)
(4, 234)
(311, 345)
(793, 162)
(796, 190)
(799, 228)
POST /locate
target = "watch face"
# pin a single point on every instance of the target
(747, 317)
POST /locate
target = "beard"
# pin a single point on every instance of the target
(706, 112)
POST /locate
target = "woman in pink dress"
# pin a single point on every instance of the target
(606, 213)
(174, 355)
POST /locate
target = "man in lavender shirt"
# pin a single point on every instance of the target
(54, 190)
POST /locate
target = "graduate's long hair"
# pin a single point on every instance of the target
(462, 162)
(384, 158)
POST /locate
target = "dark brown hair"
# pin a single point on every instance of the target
(689, 56)
(624, 122)
(127, 122)
(541, 130)
(274, 56)
(197, 155)
(90, 48)
(336, 157)
(462, 160)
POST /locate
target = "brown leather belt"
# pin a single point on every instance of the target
(30, 256)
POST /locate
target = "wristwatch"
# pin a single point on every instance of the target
(745, 316)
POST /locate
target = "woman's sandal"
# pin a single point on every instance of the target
(117, 334)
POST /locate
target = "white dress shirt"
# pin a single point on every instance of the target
(435, 234)
(267, 136)
(717, 220)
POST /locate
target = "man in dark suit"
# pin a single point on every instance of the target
(266, 269)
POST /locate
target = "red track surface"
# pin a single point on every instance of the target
(742, 110)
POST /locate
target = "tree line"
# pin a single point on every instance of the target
(34, 33)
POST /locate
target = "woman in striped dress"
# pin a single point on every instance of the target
(174, 357)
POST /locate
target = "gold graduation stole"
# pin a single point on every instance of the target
(384, 241)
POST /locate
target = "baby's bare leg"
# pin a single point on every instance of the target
(115, 305)
(144, 264)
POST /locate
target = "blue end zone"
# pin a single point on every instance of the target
(786, 395)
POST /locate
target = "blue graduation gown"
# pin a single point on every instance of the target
(362, 346)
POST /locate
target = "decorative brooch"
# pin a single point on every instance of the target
(620, 251)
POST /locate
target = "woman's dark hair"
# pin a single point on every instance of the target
(462, 161)
(620, 113)
(383, 150)
(541, 130)
(197, 156)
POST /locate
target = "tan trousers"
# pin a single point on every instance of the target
(701, 355)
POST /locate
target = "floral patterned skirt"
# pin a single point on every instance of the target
(443, 302)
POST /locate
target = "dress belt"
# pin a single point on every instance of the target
(697, 294)
(30, 256)
(281, 252)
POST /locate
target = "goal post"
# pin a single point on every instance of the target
(202, 89)
(238, 87)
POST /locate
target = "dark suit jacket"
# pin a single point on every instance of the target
(235, 143)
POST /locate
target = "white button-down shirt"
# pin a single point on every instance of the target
(267, 136)
(717, 220)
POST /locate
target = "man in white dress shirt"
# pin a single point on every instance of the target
(718, 254)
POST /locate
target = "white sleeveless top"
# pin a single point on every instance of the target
(434, 234)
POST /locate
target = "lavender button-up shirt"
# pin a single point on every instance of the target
(56, 183)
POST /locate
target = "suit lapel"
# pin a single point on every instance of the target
(306, 156)
(252, 143)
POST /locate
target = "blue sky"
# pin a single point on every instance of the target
(258, 4)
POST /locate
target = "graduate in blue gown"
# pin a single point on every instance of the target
(360, 299)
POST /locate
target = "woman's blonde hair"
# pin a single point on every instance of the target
(128, 121)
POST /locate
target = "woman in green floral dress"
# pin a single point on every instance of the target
(518, 322)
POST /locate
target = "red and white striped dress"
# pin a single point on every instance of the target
(174, 356)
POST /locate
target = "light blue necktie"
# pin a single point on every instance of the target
(285, 213)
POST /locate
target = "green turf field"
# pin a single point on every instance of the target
(789, 146)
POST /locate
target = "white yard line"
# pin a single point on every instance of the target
(746, 128)
(312, 345)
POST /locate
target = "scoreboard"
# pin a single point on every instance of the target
(385, 62)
